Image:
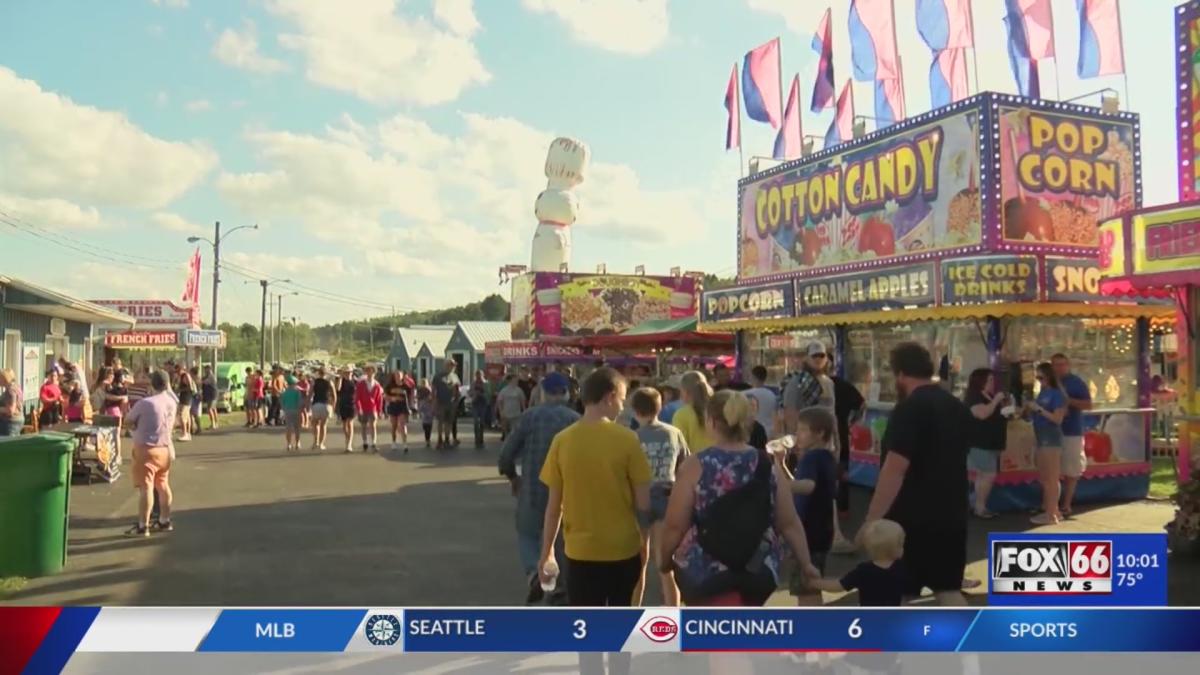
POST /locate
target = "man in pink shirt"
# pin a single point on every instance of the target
(152, 420)
(368, 403)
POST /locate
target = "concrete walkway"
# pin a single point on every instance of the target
(258, 526)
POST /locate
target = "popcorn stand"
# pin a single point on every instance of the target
(974, 230)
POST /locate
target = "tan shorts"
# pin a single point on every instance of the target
(151, 466)
(1074, 461)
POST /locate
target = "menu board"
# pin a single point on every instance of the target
(971, 281)
(763, 301)
(909, 286)
(597, 304)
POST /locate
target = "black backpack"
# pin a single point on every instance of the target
(731, 528)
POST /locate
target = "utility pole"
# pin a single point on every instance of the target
(295, 341)
(262, 333)
(216, 273)
(279, 325)
(271, 326)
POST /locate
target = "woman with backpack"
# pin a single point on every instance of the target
(730, 514)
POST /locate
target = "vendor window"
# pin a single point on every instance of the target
(1102, 351)
(782, 353)
(957, 347)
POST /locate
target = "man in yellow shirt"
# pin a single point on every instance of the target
(599, 482)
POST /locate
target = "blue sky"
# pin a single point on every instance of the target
(391, 151)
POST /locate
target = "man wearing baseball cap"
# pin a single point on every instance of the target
(529, 443)
(805, 388)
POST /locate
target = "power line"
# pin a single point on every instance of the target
(84, 251)
(121, 254)
(317, 292)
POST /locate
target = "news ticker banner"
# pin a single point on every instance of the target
(1078, 570)
(41, 640)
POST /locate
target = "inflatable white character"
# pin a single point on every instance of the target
(557, 207)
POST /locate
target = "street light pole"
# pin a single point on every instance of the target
(262, 332)
(216, 271)
(295, 340)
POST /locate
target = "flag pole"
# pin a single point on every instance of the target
(1057, 70)
(974, 49)
(1124, 66)
(779, 68)
(899, 67)
(737, 97)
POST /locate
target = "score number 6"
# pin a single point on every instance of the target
(580, 629)
(855, 631)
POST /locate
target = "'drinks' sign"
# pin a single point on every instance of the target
(1052, 567)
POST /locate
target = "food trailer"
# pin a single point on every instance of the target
(972, 229)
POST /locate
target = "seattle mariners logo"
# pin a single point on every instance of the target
(383, 630)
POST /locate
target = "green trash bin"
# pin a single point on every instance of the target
(35, 481)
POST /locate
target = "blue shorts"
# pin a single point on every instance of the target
(1048, 437)
(983, 461)
(660, 495)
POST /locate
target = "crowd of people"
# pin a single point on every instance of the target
(612, 476)
(359, 401)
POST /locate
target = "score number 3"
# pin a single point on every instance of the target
(855, 631)
(580, 629)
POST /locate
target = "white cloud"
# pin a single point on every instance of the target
(51, 146)
(413, 203)
(51, 214)
(173, 4)
(240, 50)
(457, 15)
(298, 267)
(367, 49)
(199, 105)
(177, 223)
(624, 26)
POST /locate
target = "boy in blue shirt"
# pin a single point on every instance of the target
(814, 472)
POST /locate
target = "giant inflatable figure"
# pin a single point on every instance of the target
(557, 207)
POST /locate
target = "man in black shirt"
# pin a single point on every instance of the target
(923, 478)
(848, 404)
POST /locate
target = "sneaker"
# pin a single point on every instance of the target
(366, 448)
(843, 546)
(406, 449)
(1044, 519)
(321, 447)
(395, 446)
(185, 438)
(138, 530)
(161, 526)
(984, 515)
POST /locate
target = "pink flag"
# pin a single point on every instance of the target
(789, 141)
(733, 127)
(760, 83)
(1039, 28)
(1101, 51)
(874, 53)
(191, 289)
(842, 128)
(961, 31)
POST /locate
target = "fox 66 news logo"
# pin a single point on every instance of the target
(1052, 567)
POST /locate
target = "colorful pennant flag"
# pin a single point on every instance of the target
(191, 289)
(875, 56)
(841, 129)
(948, 77)
(946, 24)
(1024, 66)
(760, 84)
(1038, 23)
(733, 127)
(789, 141)
(1101, 49)
(873, 40)
(822, 43)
